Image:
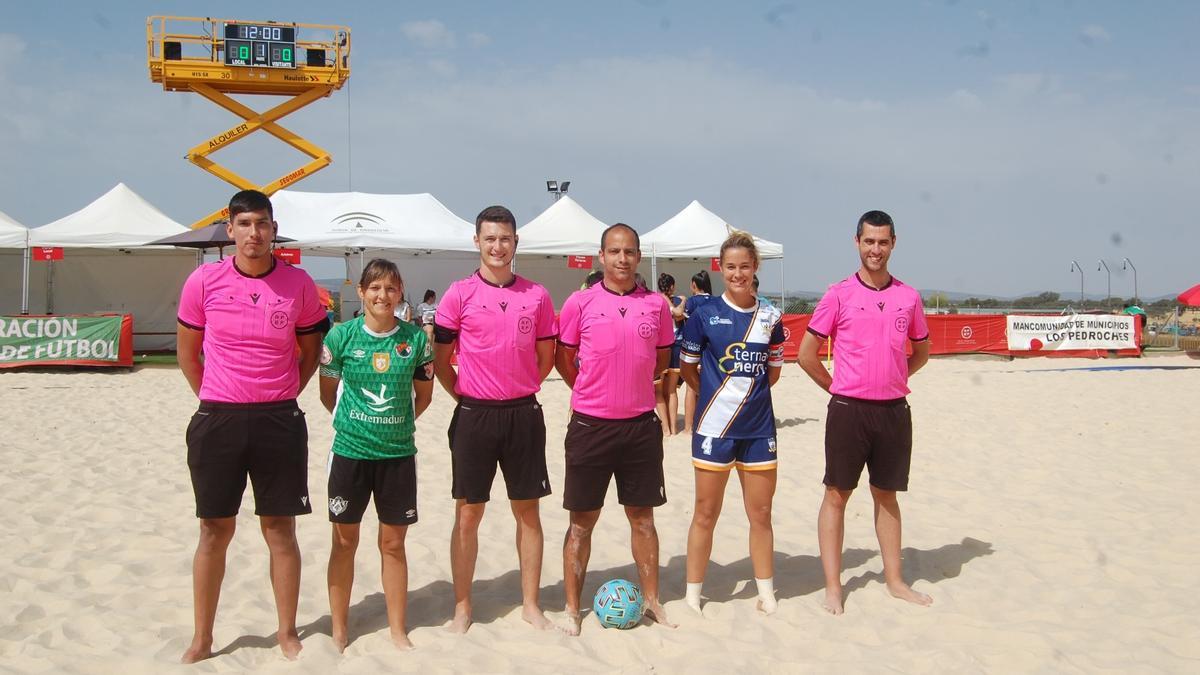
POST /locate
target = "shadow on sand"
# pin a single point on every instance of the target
(492, 599)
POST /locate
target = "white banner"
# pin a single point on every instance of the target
(1077, 331)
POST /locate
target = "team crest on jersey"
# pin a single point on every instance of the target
(404, 350)
(381, 361)
(326, 355)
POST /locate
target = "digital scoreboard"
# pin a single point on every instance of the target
(260, 45)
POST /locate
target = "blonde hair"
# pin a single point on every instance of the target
(740, 239)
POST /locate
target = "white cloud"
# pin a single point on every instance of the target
(965, 100)
(443, 68)
(431, 34)
(1093, 33)
(478, 39)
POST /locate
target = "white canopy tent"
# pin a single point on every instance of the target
(564, 229)
(688, 241)
(106, 269)
(14, 246)
(432, 246)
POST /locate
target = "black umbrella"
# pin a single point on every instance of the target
(209, 236)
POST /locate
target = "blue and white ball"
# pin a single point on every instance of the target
(619, 604)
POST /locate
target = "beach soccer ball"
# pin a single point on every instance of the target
(619, 604)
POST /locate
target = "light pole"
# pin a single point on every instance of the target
(1108, 300)
(1075, 266)
(557, 188)
(1127, 263)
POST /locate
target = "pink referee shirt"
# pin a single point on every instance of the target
(870, 330)
(250, 326)
(618, 337)
(497, 328)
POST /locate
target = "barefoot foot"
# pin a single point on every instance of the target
(833, 601)
(341, 640)
(902, 591)
(289, 644)
(533, 615)
(574, 623)
(460, 623)
(199, 650)
(402, 642)
(655, 612)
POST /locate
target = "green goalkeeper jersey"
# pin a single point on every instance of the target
(374, 414)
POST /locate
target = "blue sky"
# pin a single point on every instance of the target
(1006, 138)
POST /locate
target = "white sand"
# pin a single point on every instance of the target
(1052, 517)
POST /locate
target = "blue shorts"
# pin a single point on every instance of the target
(675, 347)
(722, 454)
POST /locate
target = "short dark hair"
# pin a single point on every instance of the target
(702, 281)
(495, 214)
(637, 241)
(875, 219)
(250, 200)
(429, 295)
(665, 282)
(379, 268)
(593, 278)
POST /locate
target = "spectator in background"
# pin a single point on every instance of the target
(762, 299)
(592, 279)
(426, 311)
(701, 295)
(668, 398)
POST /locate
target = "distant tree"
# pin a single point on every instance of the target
(800, 306)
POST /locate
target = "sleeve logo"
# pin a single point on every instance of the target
(326, 355)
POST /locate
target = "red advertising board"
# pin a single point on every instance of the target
(47, 253)
(716, 264)
(948, 334)
(291, 255)
(580, 262)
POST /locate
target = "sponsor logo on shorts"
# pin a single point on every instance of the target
(411, 513)
(326, 355)
(525, 324)
(902, 323)
(646, 330)
(304, 500)
(381, 362)
(429, 370)
(771, 444)
(404, 350)
(279, 319)
(337, 505)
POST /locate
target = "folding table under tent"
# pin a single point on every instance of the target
(14, 247)
(432, 246)
(548, 241)
(106, 268)
(687, 243)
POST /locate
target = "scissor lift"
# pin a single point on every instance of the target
(219, 57)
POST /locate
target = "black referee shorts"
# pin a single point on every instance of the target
(510, 434)
(874, 434)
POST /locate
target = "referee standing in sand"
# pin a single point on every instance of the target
(622, 334)
(247, 314)
(502, 327)
(872, 317)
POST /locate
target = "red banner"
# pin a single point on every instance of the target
(291, 255)
(948, 334)
(48, 253)
(580, 262)
(716, 264)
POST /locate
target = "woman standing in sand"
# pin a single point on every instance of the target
(668, 400)
(385, 367)
(740, 342)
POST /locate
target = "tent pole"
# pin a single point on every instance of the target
(782, 286)
(25, 281)
(653, 281)
(49, 286)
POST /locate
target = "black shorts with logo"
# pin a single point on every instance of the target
(509, 433)
(392, 482)
(598, 449)
(875, 434)
(267, 441)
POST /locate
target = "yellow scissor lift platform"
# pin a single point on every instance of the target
(219, 57)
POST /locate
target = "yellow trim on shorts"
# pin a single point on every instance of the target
(758, 466)
(713, 466)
